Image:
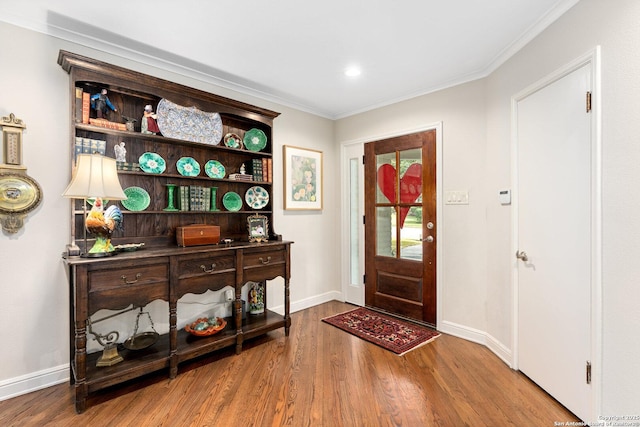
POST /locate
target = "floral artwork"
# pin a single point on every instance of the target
(303, 178)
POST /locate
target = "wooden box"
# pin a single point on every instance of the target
(197, 234)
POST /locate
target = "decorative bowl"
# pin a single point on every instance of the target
(205, 326)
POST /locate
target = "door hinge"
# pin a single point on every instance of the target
(363, 160)
(364, 220)
(588, 102)
(588, 372)
(364, 278)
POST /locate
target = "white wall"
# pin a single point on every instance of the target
(33, 284)
(476, 137)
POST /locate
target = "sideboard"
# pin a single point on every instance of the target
(140, 277)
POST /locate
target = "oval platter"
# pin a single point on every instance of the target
(214, 169)
(152, 163)
(188, 166)
(188, 123)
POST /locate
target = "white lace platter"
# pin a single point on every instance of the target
(188, 123)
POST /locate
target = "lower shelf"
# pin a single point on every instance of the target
(157, 357)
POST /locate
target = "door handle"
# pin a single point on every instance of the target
(428, 239)
(522, 255)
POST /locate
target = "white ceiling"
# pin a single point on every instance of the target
(294, 52)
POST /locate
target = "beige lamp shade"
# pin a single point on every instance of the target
(95, 176)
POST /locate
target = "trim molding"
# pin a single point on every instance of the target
(479, 337)
(24, 384)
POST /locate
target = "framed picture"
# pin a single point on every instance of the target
(258, 226)
(302, 178)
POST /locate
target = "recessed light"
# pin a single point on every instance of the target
(352, 72)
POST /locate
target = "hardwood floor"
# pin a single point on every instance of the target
(318, 376)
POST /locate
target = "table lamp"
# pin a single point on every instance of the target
(96, 177)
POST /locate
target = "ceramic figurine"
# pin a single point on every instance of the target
(121, 152)
(256, 298)
(101, 103)
(149, 123)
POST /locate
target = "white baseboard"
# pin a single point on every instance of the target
(35, 381)
(478, 336)
(309, 302)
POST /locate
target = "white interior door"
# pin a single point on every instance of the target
(554, 229)
(353, 212)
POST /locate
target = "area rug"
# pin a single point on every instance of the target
(388, 332)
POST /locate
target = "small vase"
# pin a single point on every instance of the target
(170, 204)
(214, 192)
(256, 298)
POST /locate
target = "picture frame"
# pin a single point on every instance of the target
(258, 227)
(303, 178)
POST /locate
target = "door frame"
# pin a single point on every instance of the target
(437, 126)
(592, 59)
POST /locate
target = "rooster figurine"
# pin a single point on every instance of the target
(103, 223)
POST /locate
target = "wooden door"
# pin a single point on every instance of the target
(554, 235)
(400, 226)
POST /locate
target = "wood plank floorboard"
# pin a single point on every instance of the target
(319, 376)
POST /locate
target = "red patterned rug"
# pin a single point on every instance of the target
(396, 335)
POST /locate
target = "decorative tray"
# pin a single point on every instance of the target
(188, 123)
(203, 327)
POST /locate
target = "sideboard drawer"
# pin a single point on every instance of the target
(197, 273)
(258, 265)
(103, 280)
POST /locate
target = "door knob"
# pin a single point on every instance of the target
(428, 239)
(522, 255)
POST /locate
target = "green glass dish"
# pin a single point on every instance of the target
(232, 201)
(255, 140)
(137, 199)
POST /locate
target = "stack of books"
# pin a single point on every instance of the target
(261, 170)
(194, 198)
(90, 146)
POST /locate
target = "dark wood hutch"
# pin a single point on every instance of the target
(162, 270)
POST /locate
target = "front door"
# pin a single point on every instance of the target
(400, 226)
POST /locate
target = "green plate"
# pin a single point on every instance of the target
(232, 140)
(255, 140)
(214, 169)
(232, 201)
(137, 199)
(152, 163)
(188, 166)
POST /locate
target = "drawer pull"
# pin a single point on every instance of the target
(265, 262)
(124, 279)
(213, 267)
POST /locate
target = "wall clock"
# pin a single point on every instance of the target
(19, 193)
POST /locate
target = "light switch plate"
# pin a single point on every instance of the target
(457, 197)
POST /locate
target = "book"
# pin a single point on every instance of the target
(269, 170)
(78, 106)
(86, 106)
(107, 124)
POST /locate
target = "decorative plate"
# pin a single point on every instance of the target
(152, 163)
(232, 140)
(188, 166)
(204, 326)
(214, 169)
(255, 140)
(137, 199)
(257, 197)
(188, 123)
(232, 201)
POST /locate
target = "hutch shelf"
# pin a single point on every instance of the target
(161, 270)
